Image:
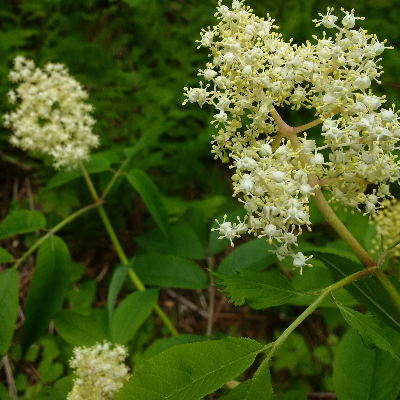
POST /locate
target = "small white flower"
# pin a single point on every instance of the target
(52, 117)
(100, 371)
(299, 261)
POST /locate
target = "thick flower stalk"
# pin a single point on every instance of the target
(100, 371)
(276, 168)
(52, 117)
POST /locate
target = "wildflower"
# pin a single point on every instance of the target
(387, 221)
(100, 371)
(52, 117)
(255, 70)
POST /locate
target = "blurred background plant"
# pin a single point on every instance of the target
(134, 57)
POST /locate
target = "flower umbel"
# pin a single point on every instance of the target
(52, 117)
(100, 371)
(388, 226)
(277, 169)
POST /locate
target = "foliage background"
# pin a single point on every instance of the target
(134, 57)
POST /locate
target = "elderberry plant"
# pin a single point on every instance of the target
(276, 168)
(52, 117)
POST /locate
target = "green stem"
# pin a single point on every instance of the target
(120, 252)
(116, 175)
(312, 307)
(331, 217)
(319, 198)
(53, 231)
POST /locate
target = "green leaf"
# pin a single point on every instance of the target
(371, 333)
(59, 391)
(81, 297)
(148, 137)
(190, 371)
(182, 241)
(186, 242)
(96, 164)
(260, 290)
(5, 256)
(257, 388)
(116, 283)
(132, 3)
(8, 307)
(77, 329)
(77, 271)
(131, 313)
(363, 374)
(167, 270)
(161, 345)
(21, 221)
(48, 288)
(150, 196)
(194, 217)
(367, 291)
(253, 255)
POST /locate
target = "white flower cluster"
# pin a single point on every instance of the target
(388, 226)
(100, 372)
(252, 70)
(52, 117)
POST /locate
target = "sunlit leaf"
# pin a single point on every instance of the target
(260, 290)
(190, 371)
(372, 335)
(259, 387)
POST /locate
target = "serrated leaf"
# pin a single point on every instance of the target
(116, 283)
(96, 164)
(22, 221)
(131, 313)
(371, 333)
(190, 371)
(367, 291)
(77, 329)
(257, 388)
(8, 307)
(167, 270)
(5, 256)
(363, 374)
(260, 290)
(151, 197)
(161, 345)
(48, 288)
(253, 255)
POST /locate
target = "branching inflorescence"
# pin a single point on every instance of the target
(100, 371)
(52, 117)
(253, 70)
